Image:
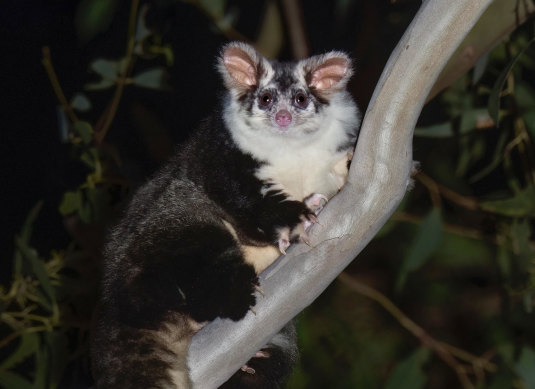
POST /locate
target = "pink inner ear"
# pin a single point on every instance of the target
(328, 74)
(240, 66)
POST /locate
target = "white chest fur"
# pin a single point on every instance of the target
(306, 172)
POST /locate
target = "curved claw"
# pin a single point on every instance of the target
(257, 288)
(248, 369)
(283, 245)
(262, 354)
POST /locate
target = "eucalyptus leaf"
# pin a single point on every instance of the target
(142, 31)
(109, 70)
(497, 158)
(27, 227)
(529, 119)
(37, 268)
(102, 84)
(480, 67)
(80, 102)
(11, 380)
(41, 299)
(408, 374)
(152, 78)
(42, 367)
(58, 345)
(494, 98)
(99, 200)
(84, 130)
(525, 367)
(90, 157)
(27, 346)
(93, 17)
(70, 203)
(85, 212)
(522, 204)
(213, 7)
(425, 243)
(525, 96)
(442, 130)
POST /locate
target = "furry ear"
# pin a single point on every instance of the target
(241, 66)
(327, 73)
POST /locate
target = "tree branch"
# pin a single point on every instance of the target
(377, 182)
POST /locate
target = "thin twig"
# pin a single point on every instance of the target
(52, 76)
(435, 188)
(14, 335)
(443, 350)
(447, 227)
(104, 123)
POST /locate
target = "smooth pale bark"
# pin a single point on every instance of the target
(379, 177)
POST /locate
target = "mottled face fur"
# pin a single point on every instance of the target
(288, 100)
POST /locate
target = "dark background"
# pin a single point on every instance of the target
(473, 288)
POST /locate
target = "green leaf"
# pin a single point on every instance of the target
(85, 212)
(84, 130)
(90, 157)
(37, 268)
(494, 98)
(525, 96)
(152, 78)
(80, 102)
(109, 70)
(408, 373)
(27, 346)
(93, 17)
(529, 119)
(42, 362)
(442, 130)
(25, 235)
(522, 204)
(525, 367)
(27, 227)
(71, 202)
(479, 68)
(502, 380)
(213, 7)
(102, 84)
(471, 119)
(58, 345)
(496, 159)
(423, 246)
(99, 200)
(10, 380)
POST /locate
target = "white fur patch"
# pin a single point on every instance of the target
(299, 162)
(260, 257)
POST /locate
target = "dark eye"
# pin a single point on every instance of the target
(301, 99)
(265, 99)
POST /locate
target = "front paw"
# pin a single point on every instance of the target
(315, 202)
(242, 294)
(226, 290)
(297, 232)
